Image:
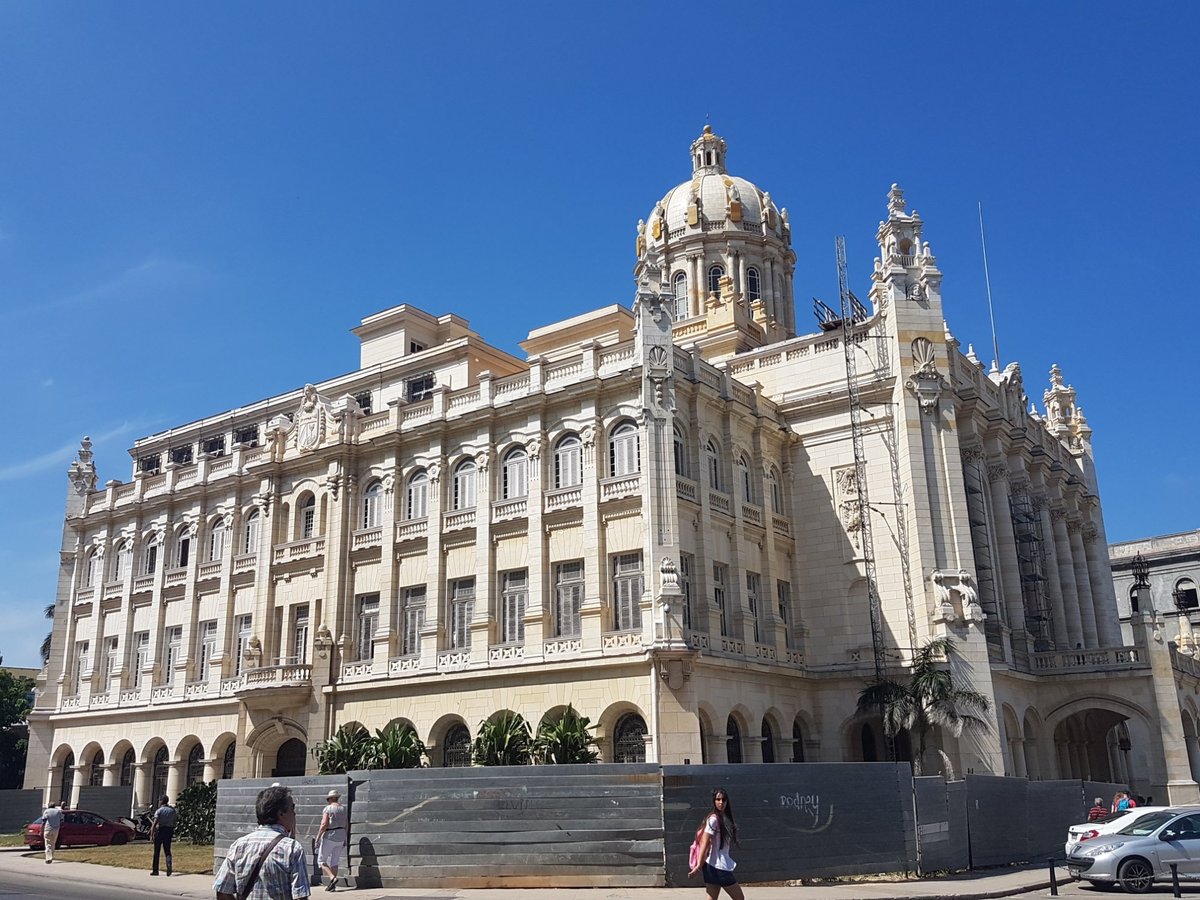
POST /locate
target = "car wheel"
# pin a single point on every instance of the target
(118, 839)
(1136, 876)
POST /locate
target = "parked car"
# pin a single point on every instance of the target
(1142, 852)
(81, 828)
(1087, 831)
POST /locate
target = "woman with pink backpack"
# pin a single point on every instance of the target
(710, 850)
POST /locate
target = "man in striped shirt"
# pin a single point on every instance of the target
(284, 870)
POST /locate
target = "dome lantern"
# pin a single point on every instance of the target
(708, 153)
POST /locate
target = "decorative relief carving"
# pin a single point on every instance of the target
(1057, 513)
(1039, 502)
(311, 421)
(926, 382)
(849, 508)
(997, 472)
(1090, 533)
(972, 452)
(1074, 526)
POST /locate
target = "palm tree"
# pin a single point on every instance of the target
(928, 700)
(49, 612)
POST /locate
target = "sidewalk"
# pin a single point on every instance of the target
(1001, 883)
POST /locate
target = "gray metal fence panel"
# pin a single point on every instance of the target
(997, 819)
(797, 820)
(236, 799)
(1052, 807)
(112, 802)
(941, 824)
(549, 826)
(18, 808)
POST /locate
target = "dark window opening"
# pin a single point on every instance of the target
(415, 347)
(150, 464)
(363, 399)
(419, 388)
(214, 446)
(456, 748)
(182, 456)
(247, 437)
(629, 739)
(733, 740)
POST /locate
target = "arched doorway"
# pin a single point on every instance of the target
(733, 741)
(768, 742)
(290, 758)
(629, 739)
(872, 743)
(68, 779)
(1094, 744)
(195, 765)
(227, 762)
(96, 771)
(158, 777)
(456, 748)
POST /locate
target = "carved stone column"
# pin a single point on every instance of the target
(1087, 610)
(1058, 611)
(1066, 575)
(1009, 583)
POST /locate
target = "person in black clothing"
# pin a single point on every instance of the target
(161, 832)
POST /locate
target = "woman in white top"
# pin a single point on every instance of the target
(720, 833)
(331, 839)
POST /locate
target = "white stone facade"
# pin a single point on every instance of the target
(655, 517)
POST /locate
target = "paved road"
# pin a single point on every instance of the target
(44, 885)
(1083, 889)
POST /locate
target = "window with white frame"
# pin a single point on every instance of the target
(627, 591)
(568, 462)
(83, 665)
(712, 462)
(753, 284)
(419, 387)
(368, 621)
(568, 598)
(372, 506)
(720, 578)
(216, 541)
(462, 608)
(95, 562)
(1184, 596)
(624, 456)
(183, 549)
(776, 491)
(140, 657)
(680, 448)
(122, 564)
(463, 494)
(679, 289)
(172, 650)
(242, 624)
(112, 646)
(753, 587)
(514, 589)
(745, 481)
(715, 274)
(514, 474)
(686, 563)
(413, 620)
(206, 648)
(416, 496)
(783, 596)
(308, 517)
(300, 635)
(251, 531)
(149, 557)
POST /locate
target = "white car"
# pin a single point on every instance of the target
(1087, 831)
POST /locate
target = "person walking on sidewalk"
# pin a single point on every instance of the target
(52, 818)
(331, 838)
(1098, 810)
(720, 833)
(162, 829)
(266, 864)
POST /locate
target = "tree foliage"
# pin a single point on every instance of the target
(566, 740)
(197, 808)
(504, 740)
(928, 699)
(45, 650)
(15, 703)
(346, 751)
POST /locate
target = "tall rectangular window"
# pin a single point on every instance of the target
(216, 542)
(686, 561)
(140, 657)
(173, 650)
(250, 533)
(300, 635)
(568, 598)
(627, 591)
(753, 587)
(417, 502)
(368, 621)
(513, 593)
(151, 557)
(83, 665)
(783, 595)
(206, 648)
(112, 645)
(413, 620)
(242, 623)
(462, 608)
(720, 577)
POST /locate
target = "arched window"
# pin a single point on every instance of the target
(753, 284)
(149, 557)
(514, 474)
(681, 467)
(195, 765)
(869, 751)
(372, 505)
(68, 779)
(216, 541)
(416, 500)
(568, 462)
(623, 451)
(715, 274)
(158, 776)
(308, 517)
(291, 758)
(768, 742)
(92, 572)
(127, 762)
(183, 548)
(464, 486)
(456, 748)
(776, 490)
(712, 462)
(1184, 595)
(745, 482)
(629, 739)
(250, 532)
(1133, 599)
(733, 740)
(797, 742)
(96, 771)
(227, 762)
(679, 288)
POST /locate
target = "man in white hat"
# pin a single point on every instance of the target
(331, 838)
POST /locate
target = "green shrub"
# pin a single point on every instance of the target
(503, 741)
(395, 747)
(565, 741)
(197, 809)
(346, 751)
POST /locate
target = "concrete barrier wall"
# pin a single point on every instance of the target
(19, 808)
(797, 820)
(546, 826)
(111, 802)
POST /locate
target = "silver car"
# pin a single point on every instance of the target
(1089, 831)
(1142, 852)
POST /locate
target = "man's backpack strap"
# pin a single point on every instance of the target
(258, 864)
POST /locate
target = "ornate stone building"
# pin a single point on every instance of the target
(655, 515)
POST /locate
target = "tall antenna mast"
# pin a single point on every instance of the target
(988, 281)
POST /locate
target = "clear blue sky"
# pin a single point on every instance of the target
(198, 201)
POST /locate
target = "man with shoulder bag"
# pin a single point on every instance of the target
(266, 864)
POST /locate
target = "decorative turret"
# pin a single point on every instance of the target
(1059, 401)
(82, 475)
(906, 268)
(708, 153)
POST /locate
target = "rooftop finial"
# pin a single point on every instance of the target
(895, 201)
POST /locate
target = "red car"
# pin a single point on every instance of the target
(81, 828)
